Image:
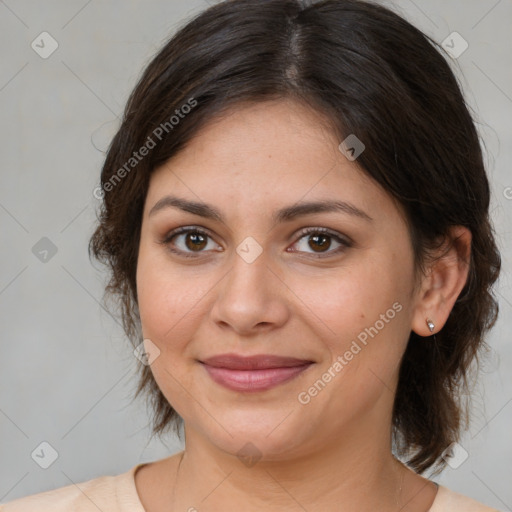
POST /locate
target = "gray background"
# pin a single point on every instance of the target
(67, 372)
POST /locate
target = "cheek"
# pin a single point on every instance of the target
(363, 318)
(169, 304)
(352, 298)
(169, 307)
(364, 314)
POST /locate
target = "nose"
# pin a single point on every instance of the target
(251, 298)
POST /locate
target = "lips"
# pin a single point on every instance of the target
(253, 373)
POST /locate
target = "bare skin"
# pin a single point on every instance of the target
(330, 451)
(156, 486)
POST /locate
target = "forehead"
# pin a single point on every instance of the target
(260, 156)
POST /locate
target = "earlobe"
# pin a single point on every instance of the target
(443, 285)
(427, 331)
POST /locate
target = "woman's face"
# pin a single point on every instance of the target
(254, 283)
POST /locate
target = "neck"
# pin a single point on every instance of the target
(356, 473)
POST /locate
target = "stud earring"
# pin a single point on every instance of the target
(430, 325)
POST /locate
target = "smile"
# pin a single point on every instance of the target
(255, 373)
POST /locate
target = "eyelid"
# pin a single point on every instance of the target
(327, 231)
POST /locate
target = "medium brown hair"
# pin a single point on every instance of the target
(372, 74)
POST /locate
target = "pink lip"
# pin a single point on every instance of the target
(254, 373)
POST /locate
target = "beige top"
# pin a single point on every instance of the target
(119, 494)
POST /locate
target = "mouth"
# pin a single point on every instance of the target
(253, 373)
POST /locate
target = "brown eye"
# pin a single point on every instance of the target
(186, 241)
(320, 240)
(195, 241)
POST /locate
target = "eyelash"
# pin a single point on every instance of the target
(345, 243)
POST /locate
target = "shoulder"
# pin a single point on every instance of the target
(112, 493)
(451, 501)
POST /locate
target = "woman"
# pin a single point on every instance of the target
(295, 216)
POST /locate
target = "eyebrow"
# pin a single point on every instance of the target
(283, 215)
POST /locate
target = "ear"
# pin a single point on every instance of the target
(443, 283)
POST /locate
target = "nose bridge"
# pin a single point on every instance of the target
(249, 294)
(249, 272)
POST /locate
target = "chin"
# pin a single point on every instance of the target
(269, 436)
